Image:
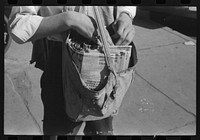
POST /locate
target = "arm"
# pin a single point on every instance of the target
(61, 22)
(123, 27)
(28, 26)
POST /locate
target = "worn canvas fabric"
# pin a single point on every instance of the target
(84, 104)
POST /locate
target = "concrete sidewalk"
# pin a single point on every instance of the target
(161, 100)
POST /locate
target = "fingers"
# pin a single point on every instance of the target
(86, 26)
(129, 39)
(122, 39)
(94, 36)
(127, 36)
(124, 32)
(118, 28)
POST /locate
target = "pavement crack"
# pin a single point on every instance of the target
(159, 46)
(25, 102)
(186, 124)
(189, 112)
(29, 111)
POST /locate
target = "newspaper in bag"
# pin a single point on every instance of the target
(91, 63)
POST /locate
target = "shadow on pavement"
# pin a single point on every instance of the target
(142, 19)
(184, 25)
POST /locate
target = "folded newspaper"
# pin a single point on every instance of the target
(120, 56)
(91, 63)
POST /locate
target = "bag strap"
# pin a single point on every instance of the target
(105, 46)
(103, 38)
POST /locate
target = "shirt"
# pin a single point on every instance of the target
(28, 18)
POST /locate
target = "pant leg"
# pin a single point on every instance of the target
(99, 127)
(55, 121)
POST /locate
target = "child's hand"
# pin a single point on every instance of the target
(124, 30)
(84, 25)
